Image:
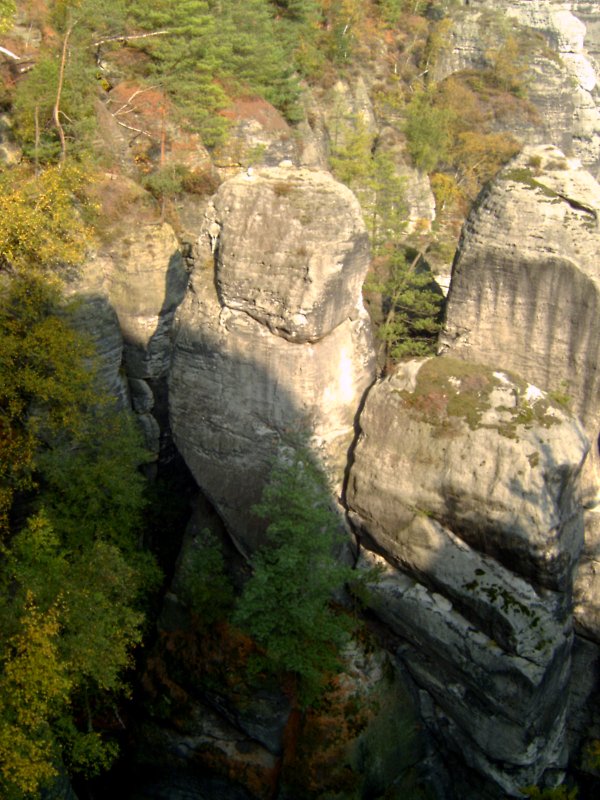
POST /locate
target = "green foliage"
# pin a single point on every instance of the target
(44, 385)
(204, 584)
(72, 576)
(591, 755)
(34, 686)
(79, 23)
(371, 174)
(215, 50)
(412, 305)
(428, 131)
(286, 604)
(558, 793)
(167, 181)
(8, 9)
(509, 66)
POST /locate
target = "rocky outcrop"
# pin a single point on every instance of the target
(562, 76)
(465, 480)
(272, 339)
(525, 296)
(130, 288)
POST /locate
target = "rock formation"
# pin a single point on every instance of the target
(465, 480)
(131, 287)
(562, 80)
(272, 339)
(525, 295)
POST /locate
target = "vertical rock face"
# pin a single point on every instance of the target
(562, 83)
(130, 289)
(526, 282)
(525, 296)
(465, 480)
(272, 339)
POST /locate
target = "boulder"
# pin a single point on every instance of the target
(291, 250)
(465, 480)
(272, 339)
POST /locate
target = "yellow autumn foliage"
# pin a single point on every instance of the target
(34, 686)
(40, 224)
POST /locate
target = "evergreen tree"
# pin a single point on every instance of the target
(412, 307)
(286, 604)
(428, 131)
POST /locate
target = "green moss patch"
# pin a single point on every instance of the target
(526, 177)
(449, 390)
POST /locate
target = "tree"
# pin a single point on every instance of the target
(44, 384)
(412, 306)
(371, 173)
(41, 227)
(73, 575)
(54, 102)
(428, 131)
(286, 604)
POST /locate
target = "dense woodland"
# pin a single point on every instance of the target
(77, 580)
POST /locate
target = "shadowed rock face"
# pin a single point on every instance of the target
(525, 296)
(465, 480)
(130, 289)
(272, 339)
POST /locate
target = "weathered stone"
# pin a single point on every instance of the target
(525, 296)
(291, 250)
(466, 480)
(147, 281)
(562, 78)
(259, 135)
(237, 387)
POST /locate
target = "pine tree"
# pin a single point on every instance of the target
(286, 605)
(412, 306)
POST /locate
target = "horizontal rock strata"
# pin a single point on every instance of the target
(465, 480)
(272, 340)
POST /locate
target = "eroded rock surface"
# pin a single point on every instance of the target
(130, 288)
(562, 74)
(465, 480)
(272, 339)
(525, 296)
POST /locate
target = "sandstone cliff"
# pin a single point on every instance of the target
(465, 480)
(558, 42)
(525, 294)
(272, 340)
(130, 287)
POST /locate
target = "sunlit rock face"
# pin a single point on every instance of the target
(272, 339)
(559, 43)
(525, 296)
(465, 480)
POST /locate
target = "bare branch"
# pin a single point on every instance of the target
(9, 54)
(61, 78)
(138, 131)
(127, 102)
(129, 37)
